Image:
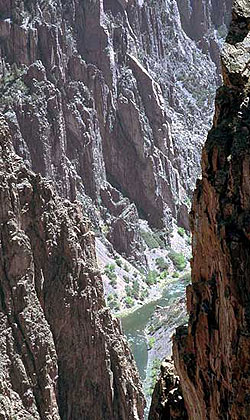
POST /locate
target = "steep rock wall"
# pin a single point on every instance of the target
(62, 356)
(212, 354)
(107, 91)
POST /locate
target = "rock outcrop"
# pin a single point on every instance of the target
(212, 354)
(167, 398)
(62, 356)
(107, 94)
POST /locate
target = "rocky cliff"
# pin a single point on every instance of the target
(62, 355)
(102, 98)
(212, 354)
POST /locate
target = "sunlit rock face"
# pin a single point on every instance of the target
(111, 94)
(212, 354)
(62, 355)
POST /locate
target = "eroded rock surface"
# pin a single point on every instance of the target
(167, 398)
(212, 355)
(62, 356)
(110, 92)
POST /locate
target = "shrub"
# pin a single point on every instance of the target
(135, 289)
(154, 372)
(181, 231)
(178, 260)
(129, 301)
(126, 279)
(164, 274)
(152, 239)
(151, 343)
(128, 290)
(175, 275)
(126, 268)
(114, 304)
(151, 277)
(113, 281)
(110, 273)
(151, 242)
(118, 261)
(161, 263)
(144, 294)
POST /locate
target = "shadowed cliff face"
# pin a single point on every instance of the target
(62, 355)
(105, 95)
(212, 355)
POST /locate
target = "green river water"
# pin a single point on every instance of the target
(134, 324)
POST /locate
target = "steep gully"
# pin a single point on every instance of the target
(75, 76)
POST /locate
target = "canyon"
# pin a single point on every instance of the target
(105, 106)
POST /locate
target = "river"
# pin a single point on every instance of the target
(135, 325)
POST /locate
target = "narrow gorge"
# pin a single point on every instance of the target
(105, 106)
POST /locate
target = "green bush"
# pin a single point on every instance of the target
(113, 302)
(144, 294)
(110, 273)
(154, 372)
(128, 290)
(113, 282)
(118, 261)
(164, 274)
(129, 301)
(161, 263)
(152, 239)
(181, 231)
(178, 260)
(175, 275)
(151, 242)
(151, 343)
(133, 291)
(151, 277)
(126, 279)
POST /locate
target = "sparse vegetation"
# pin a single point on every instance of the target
(181, 231)
(161, 264)
(151, 277)
(110, 273)
(178, 260)
(133, 291)
(105, 229)
(152, 239)
(118, 261)
(126, 268)
(113, 302)
(175, 275)
(126, 279)
(129, 301)
(163, 274)
(144, 294)
(154, 372)
(151, 343)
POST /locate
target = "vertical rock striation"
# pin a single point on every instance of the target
(106, 94)
(212, 355)
(62, 356)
